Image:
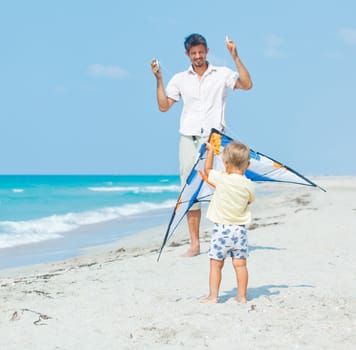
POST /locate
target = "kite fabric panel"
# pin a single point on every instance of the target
(197, 188)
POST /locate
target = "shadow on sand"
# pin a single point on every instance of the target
(251, 248)
(255, 293)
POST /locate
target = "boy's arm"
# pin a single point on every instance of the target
(209, 161)
(252, 194)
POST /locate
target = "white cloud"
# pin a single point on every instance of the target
(348, 35)
(102, 71)
(274, 47)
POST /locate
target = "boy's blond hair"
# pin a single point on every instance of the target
(236, 154)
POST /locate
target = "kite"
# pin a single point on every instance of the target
(198, 189)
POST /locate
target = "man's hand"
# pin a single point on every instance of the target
(156, 69)
(231, 47)
(244, 81)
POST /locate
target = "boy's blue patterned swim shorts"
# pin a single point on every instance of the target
(228, 240)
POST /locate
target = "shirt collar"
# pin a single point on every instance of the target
(210, 69)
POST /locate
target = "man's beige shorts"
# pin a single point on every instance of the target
(188, 154)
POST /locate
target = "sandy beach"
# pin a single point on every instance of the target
(301, 293)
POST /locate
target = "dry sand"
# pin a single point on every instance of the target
(301, 294)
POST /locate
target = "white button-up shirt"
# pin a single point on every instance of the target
(203, 99)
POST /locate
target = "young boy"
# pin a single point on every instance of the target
(230, 213)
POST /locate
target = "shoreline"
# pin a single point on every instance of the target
(94, 236)
(301, 292)
(72, 243)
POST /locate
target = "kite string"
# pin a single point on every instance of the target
(232, 133)
(166, 69)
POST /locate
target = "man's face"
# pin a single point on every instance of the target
(197, 55)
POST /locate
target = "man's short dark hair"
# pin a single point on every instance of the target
(194, 40)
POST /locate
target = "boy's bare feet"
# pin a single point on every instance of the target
(209, 299)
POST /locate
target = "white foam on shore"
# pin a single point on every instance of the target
(137, 189)
(14, 233)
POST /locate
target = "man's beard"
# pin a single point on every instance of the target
(198, 63)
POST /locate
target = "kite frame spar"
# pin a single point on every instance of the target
(274, 172)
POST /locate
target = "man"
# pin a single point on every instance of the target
(203, 89)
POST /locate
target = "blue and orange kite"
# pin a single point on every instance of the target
(197, 188)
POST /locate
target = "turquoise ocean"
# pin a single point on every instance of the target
(52, 217)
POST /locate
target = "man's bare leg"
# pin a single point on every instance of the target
(193, 217)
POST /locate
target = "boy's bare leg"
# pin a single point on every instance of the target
(193, 217)
(214, 281)
(241, 278)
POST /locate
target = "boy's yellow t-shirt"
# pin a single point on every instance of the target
(230, 201)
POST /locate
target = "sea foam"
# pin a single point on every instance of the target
(137, 189)
(13, 233)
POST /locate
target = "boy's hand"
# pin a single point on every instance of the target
(209, 147)
(209, 158)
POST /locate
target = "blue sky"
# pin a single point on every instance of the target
(77, 94)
